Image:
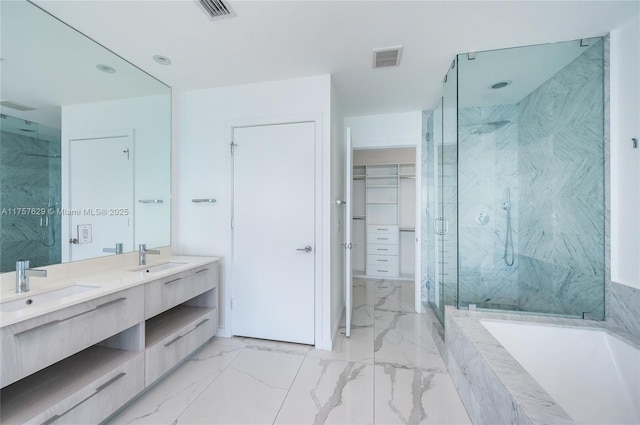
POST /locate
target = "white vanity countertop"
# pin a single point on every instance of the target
(106, 282)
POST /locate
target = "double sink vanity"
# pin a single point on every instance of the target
(79, 346)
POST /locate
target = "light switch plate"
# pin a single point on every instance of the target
(84, 233)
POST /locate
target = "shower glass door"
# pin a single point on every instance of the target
(531, 179)
(441, 169)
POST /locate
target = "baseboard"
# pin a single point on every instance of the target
(328, 344)
(223, 333)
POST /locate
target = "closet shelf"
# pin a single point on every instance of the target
(393, 186)
(407, 229)
(382, 203)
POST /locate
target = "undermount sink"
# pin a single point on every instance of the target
(43, 298)
(160, 267)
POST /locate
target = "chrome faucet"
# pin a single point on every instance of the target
(22, 275)
(117, 250)
(142, 253)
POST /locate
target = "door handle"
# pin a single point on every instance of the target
(305, 249)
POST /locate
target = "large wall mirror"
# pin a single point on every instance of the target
(85, 146)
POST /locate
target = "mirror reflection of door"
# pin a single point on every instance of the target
(100, 194)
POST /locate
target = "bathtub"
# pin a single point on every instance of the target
(522, 369)
(593, 375)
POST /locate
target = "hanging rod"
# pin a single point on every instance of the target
(151, 201)
(203, 200)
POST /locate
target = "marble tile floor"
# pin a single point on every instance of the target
(388, 372)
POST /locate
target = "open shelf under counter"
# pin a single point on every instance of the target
(24, 400)
(169, 322)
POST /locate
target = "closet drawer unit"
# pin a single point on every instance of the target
(36, 343)
(382, 270)
(382, 238)
(170, 351)
(382, 228)
(377, 249)
(163, 294)
(95, 402)
(383, 260)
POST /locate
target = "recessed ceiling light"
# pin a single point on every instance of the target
(499, 84)
(162, 60)
(106, 68)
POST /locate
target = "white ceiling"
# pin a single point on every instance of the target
(273, 40)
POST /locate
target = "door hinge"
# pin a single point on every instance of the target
(232, 222)
(233, 145)
(231, 303)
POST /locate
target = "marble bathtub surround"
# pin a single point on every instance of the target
(388, 372)
(494, 387)
(625, 308)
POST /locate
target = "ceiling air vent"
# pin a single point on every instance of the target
(389, 56)
(217, 9)
(16, 106)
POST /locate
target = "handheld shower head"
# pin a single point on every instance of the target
(507, 204)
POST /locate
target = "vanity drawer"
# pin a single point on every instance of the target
(96, 401)
(383, 260)
(382, 271)
(382, 238)
(163, 294)
(36, 343)
(373, 228)
(379, 249)
(168, 352)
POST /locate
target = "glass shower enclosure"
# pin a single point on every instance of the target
(31, 190)
(515, 164)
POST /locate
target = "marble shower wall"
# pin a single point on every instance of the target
(561, 191)
(28, 181)
(487, 167)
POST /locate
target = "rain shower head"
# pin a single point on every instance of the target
(489, 127)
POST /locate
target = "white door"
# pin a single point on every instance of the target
(348, 275)
(100, 195)
(274, 232)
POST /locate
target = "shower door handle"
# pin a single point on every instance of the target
(440, 226)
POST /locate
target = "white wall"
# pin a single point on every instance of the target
(337, 213)
(403, 129)
(625, 161)
(150, 119)
(204, 171)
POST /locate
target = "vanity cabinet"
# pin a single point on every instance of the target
(36, 343)
(173, 336)
(82, 363)
(82, 389)
(182, 315)
(162, 294)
